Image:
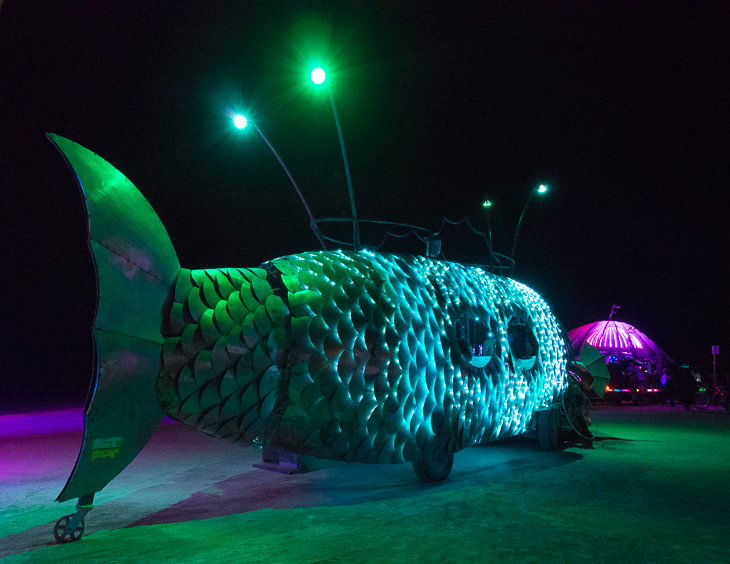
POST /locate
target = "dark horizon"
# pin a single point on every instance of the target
(619, 108)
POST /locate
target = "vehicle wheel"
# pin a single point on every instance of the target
(434, 469)
(59, 531)
(547, 429)
(702, 400)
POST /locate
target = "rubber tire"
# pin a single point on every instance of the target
(434, 469)
(701, 400)
(547, 429)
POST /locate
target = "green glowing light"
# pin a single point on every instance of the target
(240, 121)
(318, 75)
(542, 189)
(487, 204)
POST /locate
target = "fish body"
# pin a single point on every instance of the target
(351, 356)
(354, 356)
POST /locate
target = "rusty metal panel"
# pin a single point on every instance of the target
(120, 218)
(135, 265)
(123, 415)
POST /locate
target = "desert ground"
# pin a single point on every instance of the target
(651, 487)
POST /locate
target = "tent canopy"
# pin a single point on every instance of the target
(615, 338)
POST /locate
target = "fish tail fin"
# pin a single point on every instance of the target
(136, 265)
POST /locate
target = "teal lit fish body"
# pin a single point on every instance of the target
(349, 356)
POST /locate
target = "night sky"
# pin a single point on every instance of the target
(621, 108)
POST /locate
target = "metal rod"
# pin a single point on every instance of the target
(517, 232)
(313, 222)
(489, 240)
(355, 222)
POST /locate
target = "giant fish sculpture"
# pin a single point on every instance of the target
(348, 356)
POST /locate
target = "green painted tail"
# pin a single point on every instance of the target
(136, 265)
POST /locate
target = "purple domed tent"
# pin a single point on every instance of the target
(633, 359)
(615, 338)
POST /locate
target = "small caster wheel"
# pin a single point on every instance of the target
(62, 533)
(434, 469)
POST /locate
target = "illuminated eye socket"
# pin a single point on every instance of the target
(475, 338)
(522, 343)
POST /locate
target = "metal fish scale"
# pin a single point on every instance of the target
(303, 343)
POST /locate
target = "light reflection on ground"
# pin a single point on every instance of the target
(655, 474)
